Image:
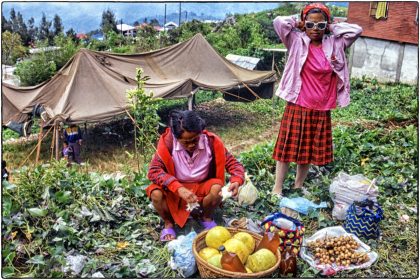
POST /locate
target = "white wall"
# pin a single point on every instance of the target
(410, 65)
(384, 60)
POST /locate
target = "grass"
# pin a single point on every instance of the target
(376, 135)
(109, 147)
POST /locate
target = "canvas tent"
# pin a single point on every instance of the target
(92, 86)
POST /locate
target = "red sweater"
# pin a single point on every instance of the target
(162, 170)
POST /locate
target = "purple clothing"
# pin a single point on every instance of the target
(195, 168)
(66, 151)
(333, 46)
(319, 82)
(76, 152)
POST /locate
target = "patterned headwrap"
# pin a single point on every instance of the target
(320, 6)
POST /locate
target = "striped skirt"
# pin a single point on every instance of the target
(305, 136)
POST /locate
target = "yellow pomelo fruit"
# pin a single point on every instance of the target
(261, 260)
(217, 236)
(248, 270)
(238, 247)
(247, 239)
(215, 260)
(207, 253)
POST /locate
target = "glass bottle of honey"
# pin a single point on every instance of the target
(270, 241)
(231, 261)
(288, 261)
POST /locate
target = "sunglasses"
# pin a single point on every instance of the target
(319, 25)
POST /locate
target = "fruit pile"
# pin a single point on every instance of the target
(340, 250)
(242, 244)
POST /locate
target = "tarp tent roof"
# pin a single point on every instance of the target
(92, 86)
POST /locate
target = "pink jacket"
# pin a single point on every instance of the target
(297, 42)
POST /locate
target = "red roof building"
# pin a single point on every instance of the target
(398, 21)
(81, 36)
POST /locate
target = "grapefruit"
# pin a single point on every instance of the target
(216, 236)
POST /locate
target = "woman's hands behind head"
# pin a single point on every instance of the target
(300, 25)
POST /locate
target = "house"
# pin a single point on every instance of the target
(246, 62)
(388, 47)
(44, 49)
(127, 30)
(8, 76)
(157, 28)
(81, 36)
(170, 25)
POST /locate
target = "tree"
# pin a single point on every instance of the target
(44, 29)
(5, 24)
(108, 22)
(36, 70)
(58, 26)
(13, 21)
(72, 34)
(32, 30)
(11, 48)
(22, 29)
(67, 48)
(114, 39)
(143, 109)
(147, 39)
(154, 22)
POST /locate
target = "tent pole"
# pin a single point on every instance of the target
(85, 132)
(38, 149)
(53, 142)
(272, 63)
(191, 101)
(57, 141)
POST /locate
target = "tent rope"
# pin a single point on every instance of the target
(253, 92)
(278, 71)
(33, 150)
(237, 96)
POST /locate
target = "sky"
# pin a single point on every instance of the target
(86, 16)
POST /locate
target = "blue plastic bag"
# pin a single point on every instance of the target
(182, 256)
(300, 204)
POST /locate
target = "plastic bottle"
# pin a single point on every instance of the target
(270, 241)
(288, 261)
(284, 224)
(230, 261)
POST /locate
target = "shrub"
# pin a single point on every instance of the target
(35, 71)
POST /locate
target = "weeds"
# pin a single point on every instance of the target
(52, 212)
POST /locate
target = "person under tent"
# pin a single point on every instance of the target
(73, 136)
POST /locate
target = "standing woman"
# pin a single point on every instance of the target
(315, 80)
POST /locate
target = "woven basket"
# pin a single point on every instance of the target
(209, 271)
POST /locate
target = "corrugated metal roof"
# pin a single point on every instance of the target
(246, 62)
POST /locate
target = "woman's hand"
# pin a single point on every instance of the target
(234, 188)
(300, 25)
(187, 195)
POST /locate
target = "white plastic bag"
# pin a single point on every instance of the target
(248, 193)
(345, 189)
(331, 269)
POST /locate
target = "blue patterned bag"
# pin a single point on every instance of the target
(363, 219)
